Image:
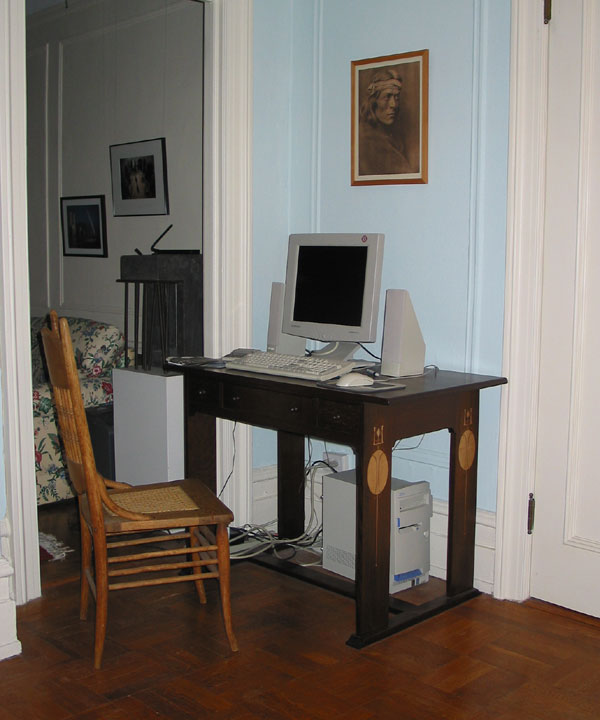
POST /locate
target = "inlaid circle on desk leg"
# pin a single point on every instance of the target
(377, 472)
(466, 449)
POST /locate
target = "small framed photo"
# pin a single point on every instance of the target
(84, 226)
(139, 178)
(390, 119)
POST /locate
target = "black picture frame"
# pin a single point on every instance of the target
(139, 178)
(83, 220)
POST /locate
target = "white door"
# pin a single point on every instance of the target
(565, 565)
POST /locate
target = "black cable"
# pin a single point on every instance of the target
(232, 460)
(310, 542)
(320, 462)
(307, 464)
(368, 351)
(397, 446)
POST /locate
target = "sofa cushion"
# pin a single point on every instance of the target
(98, 347)
(43, 401)
(95, 390)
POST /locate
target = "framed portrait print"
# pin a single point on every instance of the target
(84, 226)
(139, 178)
(390, 119)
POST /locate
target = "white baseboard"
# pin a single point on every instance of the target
(263, 498)
(9, 645)
(485, 545)
(264, 509)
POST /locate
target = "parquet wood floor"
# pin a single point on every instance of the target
(167, 656)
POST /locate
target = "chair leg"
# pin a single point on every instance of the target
(194, 542)
(86, 564)
(101, 604)
(223, 561)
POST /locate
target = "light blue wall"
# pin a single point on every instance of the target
(445, 240)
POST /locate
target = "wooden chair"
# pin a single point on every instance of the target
(120, 523)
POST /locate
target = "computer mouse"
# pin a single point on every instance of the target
(354, 379)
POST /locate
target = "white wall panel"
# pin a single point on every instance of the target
(565, 553)
(37, 188)
(583, 491)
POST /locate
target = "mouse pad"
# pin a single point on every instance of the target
(377, 386)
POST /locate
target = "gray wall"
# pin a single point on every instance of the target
(104, 73)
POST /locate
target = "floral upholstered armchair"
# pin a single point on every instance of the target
(98, 349)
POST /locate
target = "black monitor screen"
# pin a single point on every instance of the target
(330, 284)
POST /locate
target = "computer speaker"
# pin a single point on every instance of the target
(403, 348)
(277, 340)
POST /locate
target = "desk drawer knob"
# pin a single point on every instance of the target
(202, 392)
(235, 398)
(294, 409)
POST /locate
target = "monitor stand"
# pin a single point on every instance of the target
(337, 351)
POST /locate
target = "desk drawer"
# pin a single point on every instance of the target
(338, 417)
(202, 393)
(277, 410)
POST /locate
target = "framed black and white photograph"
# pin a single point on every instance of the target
(139, 178)
(84, 226)
(390, 119)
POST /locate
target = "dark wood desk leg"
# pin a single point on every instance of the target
(136, 324)
(290, 485)
(373, 497)
(126, 324)
(201, 448)
(463, 495)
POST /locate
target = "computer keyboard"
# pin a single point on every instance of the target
(305, 368)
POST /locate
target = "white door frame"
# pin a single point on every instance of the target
(523, 297)
(227, 240)
(15, 361)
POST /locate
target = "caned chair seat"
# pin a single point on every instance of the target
(136, 536)
(170, 505)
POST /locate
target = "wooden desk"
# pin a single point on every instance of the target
(370, 423)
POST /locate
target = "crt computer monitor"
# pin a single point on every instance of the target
(332, 289)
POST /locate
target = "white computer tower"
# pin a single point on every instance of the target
(411, 510)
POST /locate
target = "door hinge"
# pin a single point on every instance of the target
(530, 513)
(547, 11)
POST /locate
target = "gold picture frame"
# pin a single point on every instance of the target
(390, 116)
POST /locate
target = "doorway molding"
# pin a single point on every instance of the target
(21, 503)
(523, 297)
(227, 237)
